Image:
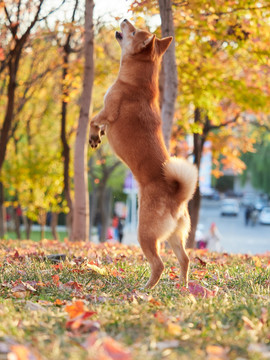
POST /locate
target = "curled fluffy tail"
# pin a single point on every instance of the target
(182, 178)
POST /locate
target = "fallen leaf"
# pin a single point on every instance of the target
(101, 271)
(79, 322)
(75, 309)
(200, 291)
(115, 350)
(215, 352)
(202, 262)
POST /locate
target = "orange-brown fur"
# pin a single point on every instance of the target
(131, 119)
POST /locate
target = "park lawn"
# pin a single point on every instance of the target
(92, 304)
(36, 235)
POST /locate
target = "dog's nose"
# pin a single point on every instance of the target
(125, 20)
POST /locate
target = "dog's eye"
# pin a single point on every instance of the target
(133, 33)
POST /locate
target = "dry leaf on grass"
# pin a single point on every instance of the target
(200, 291)
(215, 352)
(106, 348)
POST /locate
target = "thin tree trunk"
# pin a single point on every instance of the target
(66, 148)
(54, 222)
(195, 202)
(2, 212)
(80, 228)
(170, 71)
(4, 134)
(17, 223)
(28, 228)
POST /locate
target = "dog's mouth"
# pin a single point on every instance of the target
(118, 35)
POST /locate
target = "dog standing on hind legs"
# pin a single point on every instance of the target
(131, 120)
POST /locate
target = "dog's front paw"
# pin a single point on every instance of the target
(94, 141)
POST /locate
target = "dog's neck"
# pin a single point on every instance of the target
(142, 74)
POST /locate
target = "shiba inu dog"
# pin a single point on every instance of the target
(131, 120)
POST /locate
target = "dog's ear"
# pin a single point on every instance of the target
(148, 43)
(163, 44)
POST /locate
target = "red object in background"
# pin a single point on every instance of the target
(19, 211)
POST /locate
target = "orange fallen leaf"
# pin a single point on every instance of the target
(75, 309)
(154, 302)
(115, 350)
(216, 352)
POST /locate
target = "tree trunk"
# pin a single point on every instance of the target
(80, 228)
(4, 134)
(2, 212)
(194, 211)
(28, 228)
(195, 202)
(54, 222)
(17, 223)
(66, 149)
(170, 71)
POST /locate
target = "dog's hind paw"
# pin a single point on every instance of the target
(94, 141)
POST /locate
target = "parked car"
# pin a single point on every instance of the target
(264, 217)
(229, 207)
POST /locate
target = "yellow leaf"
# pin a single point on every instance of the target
(98, 270)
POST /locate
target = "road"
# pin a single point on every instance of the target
(235, 236)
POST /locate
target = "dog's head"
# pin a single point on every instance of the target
(134, 41)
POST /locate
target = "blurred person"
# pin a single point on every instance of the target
(120, 229)
(247, 214)
(254, 216)
(115, 222)
(200, 237)
(213, 239)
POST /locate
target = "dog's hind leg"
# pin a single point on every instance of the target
(177, 241)
(155, 224)
(150, 248)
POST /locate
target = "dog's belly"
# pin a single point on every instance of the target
(144, 153)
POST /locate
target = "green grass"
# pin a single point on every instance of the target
(164, 323)
(35, 235)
